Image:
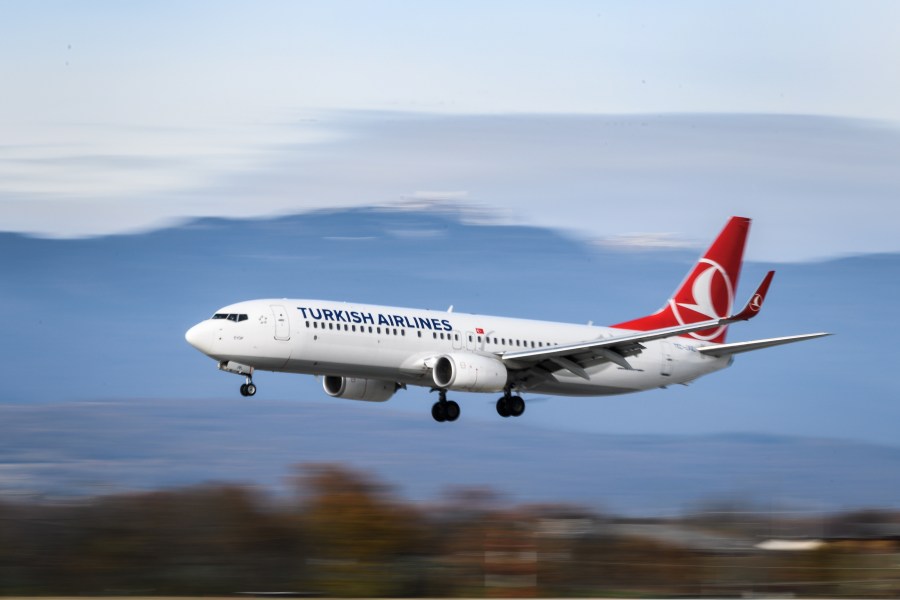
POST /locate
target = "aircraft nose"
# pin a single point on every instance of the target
(200, 336)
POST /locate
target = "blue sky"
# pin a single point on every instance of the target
(118, 117)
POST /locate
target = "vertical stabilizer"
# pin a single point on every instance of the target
(708, 290)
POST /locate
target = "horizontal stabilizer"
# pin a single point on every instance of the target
(738, 347)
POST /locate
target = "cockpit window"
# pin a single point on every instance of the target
(231, 317)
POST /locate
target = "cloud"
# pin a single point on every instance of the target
(802, 179)
(646, 241)
(439, 196)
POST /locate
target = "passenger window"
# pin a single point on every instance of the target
(307, 324)
(378, 329)
(532, 344)
(395, 332)
(456, 336)
(420, 333)
(403, 332)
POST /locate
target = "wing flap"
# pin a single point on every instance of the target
(572, 366)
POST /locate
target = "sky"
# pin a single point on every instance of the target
(638, 124)
(649, 120)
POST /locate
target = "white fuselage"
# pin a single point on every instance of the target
(399, 344)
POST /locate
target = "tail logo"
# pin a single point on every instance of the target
(711, 297)
(756, 302)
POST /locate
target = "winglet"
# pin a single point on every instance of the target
(756, 300)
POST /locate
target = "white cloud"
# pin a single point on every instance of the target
(803, 179)
(646, 241)
(435, 196)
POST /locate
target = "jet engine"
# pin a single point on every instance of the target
(469, 372)
(352, 388)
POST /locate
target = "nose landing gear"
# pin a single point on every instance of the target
(248, 389)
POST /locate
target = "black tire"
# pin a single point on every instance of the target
(451, 411)
(244, 390)
(516, 406)
(438, 412)
(251, 389)
(503, 407)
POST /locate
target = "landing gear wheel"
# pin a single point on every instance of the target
(444, 410)
(503, 407)
(510, 406)
(244, 390)
(251, 389)
(451, 411)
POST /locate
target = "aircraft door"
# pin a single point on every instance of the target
(282, 323)
(668, 362)
(457, 340)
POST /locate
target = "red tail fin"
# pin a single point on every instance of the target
(708, 290)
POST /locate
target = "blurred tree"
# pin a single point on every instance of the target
(345, 534)
(364, 542)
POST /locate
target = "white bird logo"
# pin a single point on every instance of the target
(702, 296)
(701, 290)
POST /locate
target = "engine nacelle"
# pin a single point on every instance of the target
(469, 372)
(352, 388)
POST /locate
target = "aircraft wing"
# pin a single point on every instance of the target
(738, 347)
(576, 357)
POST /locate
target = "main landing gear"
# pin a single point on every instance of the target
(510, 406)
(248, 389)
(443, 409)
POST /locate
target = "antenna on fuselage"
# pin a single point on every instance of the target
(450, 309)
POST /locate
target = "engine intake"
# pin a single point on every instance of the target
(469, 373)
(352, 388)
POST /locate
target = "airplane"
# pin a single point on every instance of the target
(368, 352)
